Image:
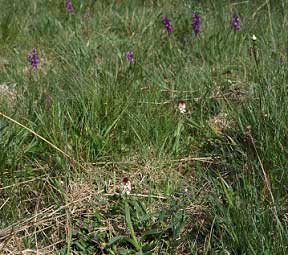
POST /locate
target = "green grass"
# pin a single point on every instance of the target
(72, 129)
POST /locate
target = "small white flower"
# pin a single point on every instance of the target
(126, 186)
(254, 38)
(182, 106)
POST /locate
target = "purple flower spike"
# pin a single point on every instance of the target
(33, 58)
(196, 22)
(236, 23)
(167, 24)
(130, 56)
(69, 6)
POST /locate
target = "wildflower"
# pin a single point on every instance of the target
(33, 58)
(253, 49)
(126, 186)
(167, 24)
(69, 6)
(182, 106)
(196, 22)
(130, 56)
(236, 23)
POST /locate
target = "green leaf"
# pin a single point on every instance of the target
(117, 239)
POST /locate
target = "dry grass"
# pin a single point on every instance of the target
(8, 94)
(48, 228)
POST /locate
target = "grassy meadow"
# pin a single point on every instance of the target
(212, 180)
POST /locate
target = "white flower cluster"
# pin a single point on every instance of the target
(126, 186)
(182, 107)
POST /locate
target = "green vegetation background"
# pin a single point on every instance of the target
(212, 181)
